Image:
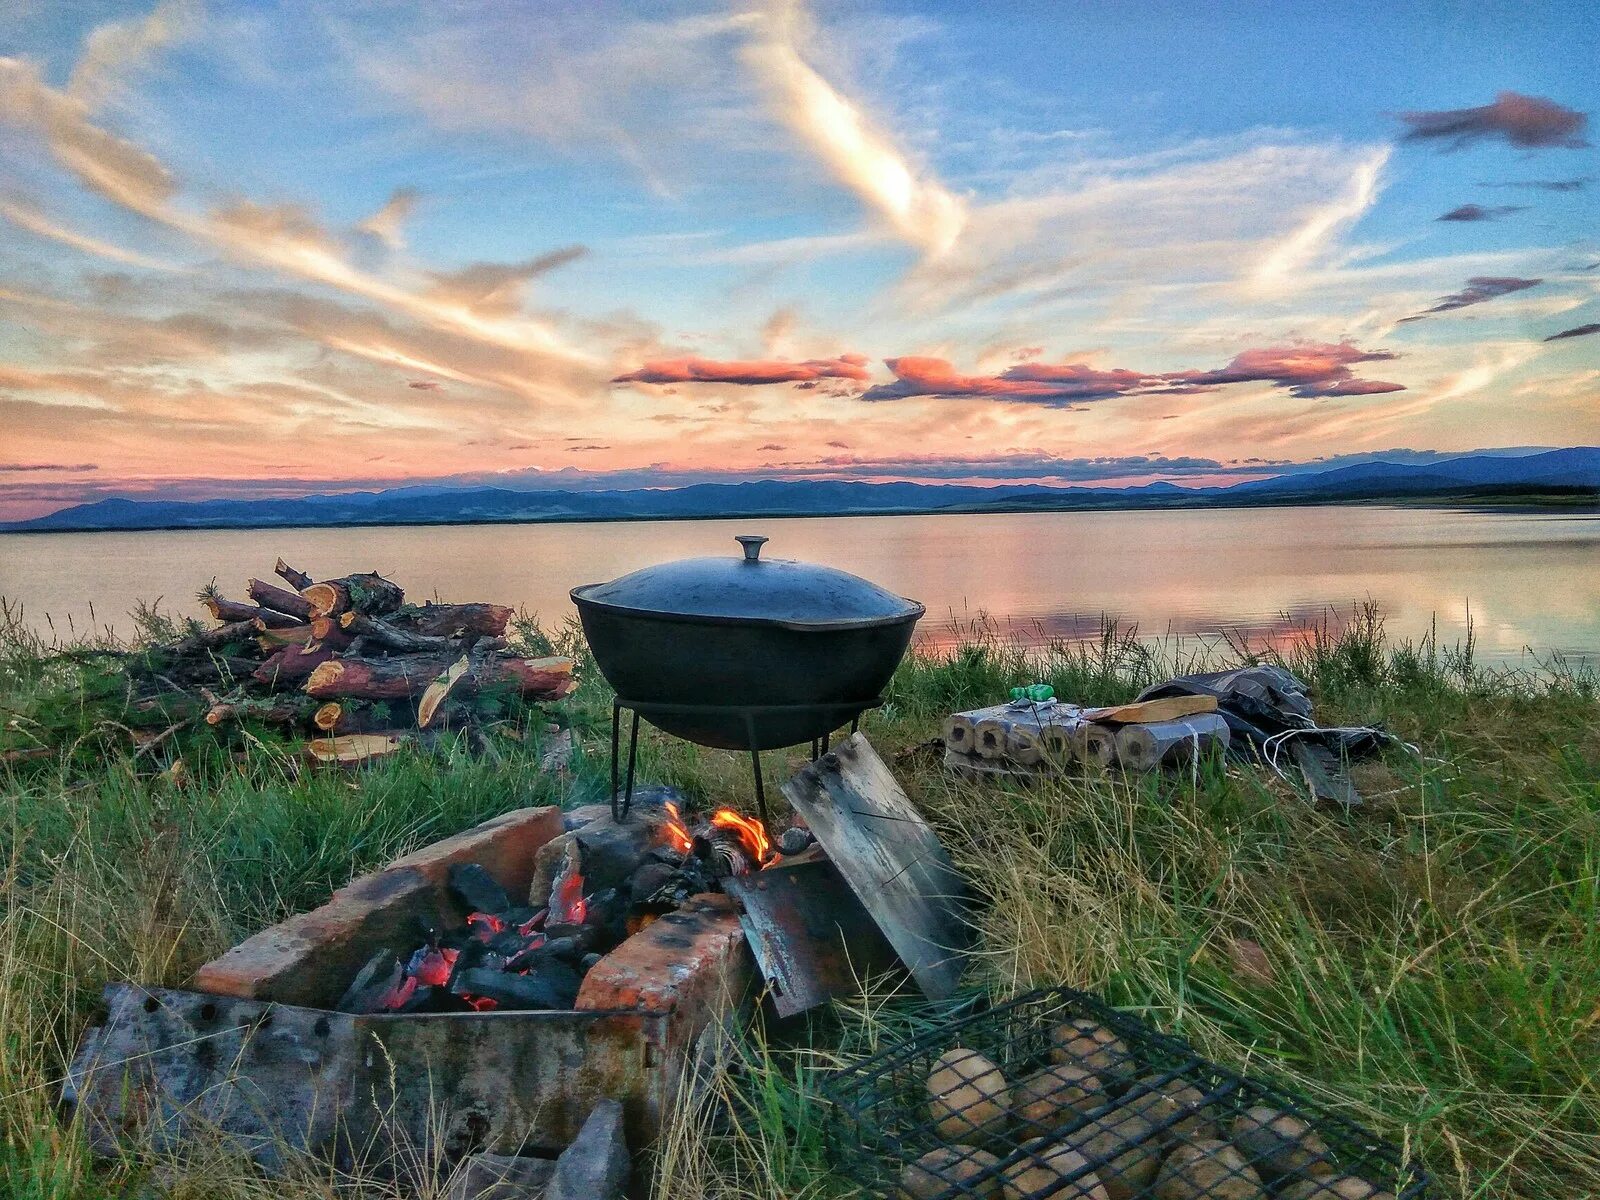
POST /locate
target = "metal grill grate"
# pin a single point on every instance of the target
(1057, 1095)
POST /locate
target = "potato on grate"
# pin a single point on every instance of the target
(1041, 1101)
(1178, 1109)
(968, 1097)
(1207, 1170)
(1083, 1043)
(1045, 1173)
(1339, 1187)
(1278, 1143)
(1124, 1150)
(937, 1173)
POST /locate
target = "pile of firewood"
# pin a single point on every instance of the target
(350, 662)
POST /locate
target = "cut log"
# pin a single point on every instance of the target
(281, 710)
(533, 678)
(375, 678)
(289, 635)
(369, 593)
(989, 737)
(211, 639)
(358, 716)
(232, 612)
(326, 631)
(298, 580)
(454, 620)
(379, 632)
(292, 665)
(1146, 747)
(403, 678)
(439, 689)
(271, 596)
(354, 748)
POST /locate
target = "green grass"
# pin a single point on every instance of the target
(1435, 955)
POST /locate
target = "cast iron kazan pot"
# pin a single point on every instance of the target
(745, 652)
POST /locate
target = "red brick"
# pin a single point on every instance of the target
(505, 847)
(311, 958)
(686, 961)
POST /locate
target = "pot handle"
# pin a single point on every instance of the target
(752, 543)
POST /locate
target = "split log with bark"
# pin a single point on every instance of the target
(270, 596)
(402, 678)
(368, 593)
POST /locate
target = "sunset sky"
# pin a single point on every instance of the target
(262, 249)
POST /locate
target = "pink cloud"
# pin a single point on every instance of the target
(692, 369)
(1312, 369)
(1307, 370)
(1527, 121)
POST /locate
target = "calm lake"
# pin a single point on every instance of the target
(1527, 580)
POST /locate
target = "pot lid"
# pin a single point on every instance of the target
(751, 588)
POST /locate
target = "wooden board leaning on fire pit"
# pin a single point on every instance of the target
(890, 858)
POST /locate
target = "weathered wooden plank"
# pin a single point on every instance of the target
(1145, 712)
(890, 858)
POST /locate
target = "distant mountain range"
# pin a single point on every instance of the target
(1572, 474)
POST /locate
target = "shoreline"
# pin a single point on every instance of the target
(1522, 502)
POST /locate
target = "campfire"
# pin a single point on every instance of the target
(594, 887)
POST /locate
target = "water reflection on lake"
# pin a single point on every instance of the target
(1526, 579)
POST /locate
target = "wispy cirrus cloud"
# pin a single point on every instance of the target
(116, 49)
(1529, 122)
(690, 369)
(282, 238)
(860, 155)
(1308, 371)
(1478, 212)
(1480, 289)
(35, 222)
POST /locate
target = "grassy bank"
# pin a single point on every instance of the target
(1434, 958)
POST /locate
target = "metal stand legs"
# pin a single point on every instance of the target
(622, 796)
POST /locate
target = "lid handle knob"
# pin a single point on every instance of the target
(752, 543)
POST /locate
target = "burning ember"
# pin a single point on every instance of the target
(752, 834)
(674, 830)
(601, 883)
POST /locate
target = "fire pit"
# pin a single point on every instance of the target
(261, 1052)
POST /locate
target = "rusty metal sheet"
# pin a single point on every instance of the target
(810, 935)
(511, 1082)
(890, 858)
(169, 1065)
